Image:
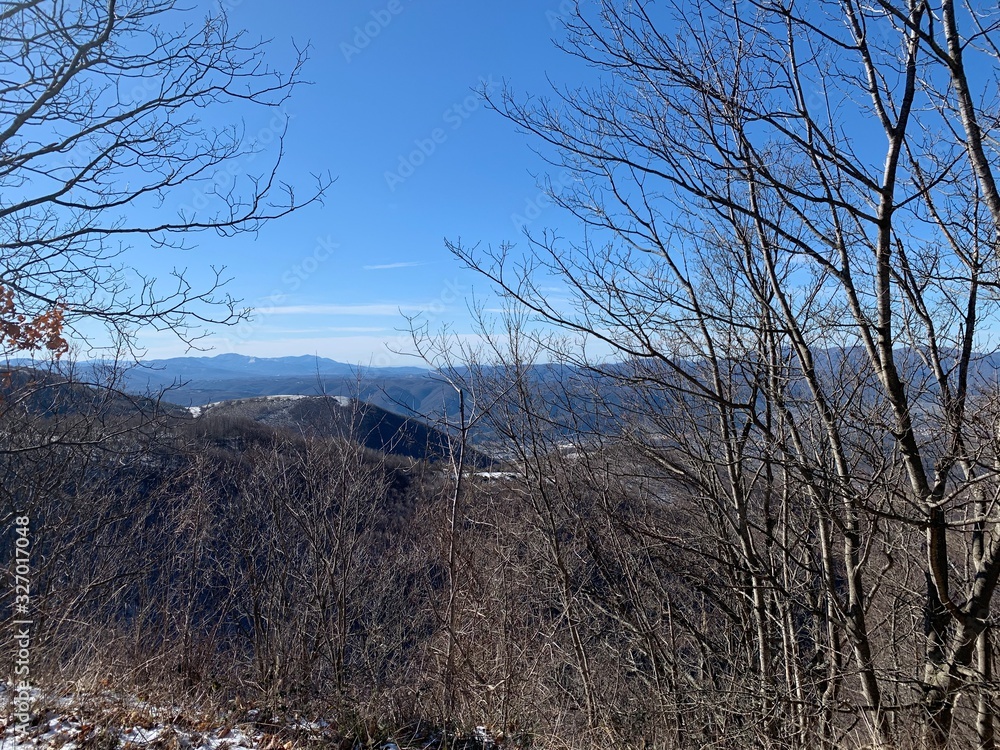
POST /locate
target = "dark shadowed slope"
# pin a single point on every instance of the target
(338, 416)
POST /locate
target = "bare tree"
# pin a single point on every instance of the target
(793, 222)
(113, 113)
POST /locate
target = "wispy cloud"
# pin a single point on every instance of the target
(324, 329)
(402, 264)
(373, 309)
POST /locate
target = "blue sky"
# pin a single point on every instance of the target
(393, 115)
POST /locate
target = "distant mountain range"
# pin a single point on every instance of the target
(411, 392)
(408, 391)
(196, 381)
(575, 401)
(179, 371)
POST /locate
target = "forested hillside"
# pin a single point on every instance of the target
(713, 463)
(242, 556)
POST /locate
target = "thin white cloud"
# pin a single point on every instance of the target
(359, 309)
(325, 329)
(402, 264)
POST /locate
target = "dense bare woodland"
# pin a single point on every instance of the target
(769, 518)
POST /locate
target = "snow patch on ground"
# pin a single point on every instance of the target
(68, 732)
(111, 720)
(129, 724)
